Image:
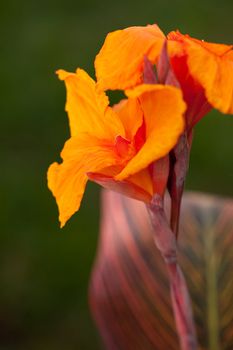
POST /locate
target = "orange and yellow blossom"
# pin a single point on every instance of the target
(113, 146)
(204, 70)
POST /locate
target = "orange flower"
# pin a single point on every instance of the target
(113, 146)
(119, 64)
(204, 70)
(205, 73)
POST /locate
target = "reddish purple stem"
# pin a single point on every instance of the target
(166, 243)
(181, 162)
(164, 236)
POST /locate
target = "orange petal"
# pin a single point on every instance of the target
(120, 61)
(163, 108)
(67, 181)
(143, 180)
(212, 66)
(87, 108)
(138, 186)
(130, 113)
(218, 49)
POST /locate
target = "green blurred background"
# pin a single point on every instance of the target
(44, 271)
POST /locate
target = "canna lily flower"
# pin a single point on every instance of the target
(113, 146)
(203, 70)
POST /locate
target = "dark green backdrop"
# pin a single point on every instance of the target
(44, 271)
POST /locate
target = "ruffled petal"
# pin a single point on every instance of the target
(120, 61)
(67, 180)
(215, 74)
(163, 108)
(67, 183)
(87, 108)
(212, 66)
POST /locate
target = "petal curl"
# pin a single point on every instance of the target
(131, 115)
(143, 180)
(163, 108)
(138, 186)
(87, 108)
(67, 180)
(212, 66)
(119, 62)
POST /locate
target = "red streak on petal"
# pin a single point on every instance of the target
(140, 137)
(193, 92)
(122, 146)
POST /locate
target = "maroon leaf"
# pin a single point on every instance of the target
(129, 290)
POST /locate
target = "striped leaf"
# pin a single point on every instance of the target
(129, 290)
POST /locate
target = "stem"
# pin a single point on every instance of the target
(176, 197)
(166, 243)
(181, 154)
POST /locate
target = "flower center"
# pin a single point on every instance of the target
(127, 149)
(124, 148)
